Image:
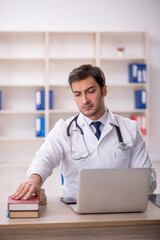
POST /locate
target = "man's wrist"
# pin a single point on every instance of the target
(36, 178)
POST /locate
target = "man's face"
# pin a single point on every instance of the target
(89, 97)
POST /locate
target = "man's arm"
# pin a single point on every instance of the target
(33, 185)
(141, 158)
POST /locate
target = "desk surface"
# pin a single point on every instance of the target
(57, 214)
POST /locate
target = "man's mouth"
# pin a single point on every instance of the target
(87, 107)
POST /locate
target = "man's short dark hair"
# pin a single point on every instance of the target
(85, 71)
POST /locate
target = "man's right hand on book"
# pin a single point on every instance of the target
(32, 186)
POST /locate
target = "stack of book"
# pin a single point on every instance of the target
(23, 208)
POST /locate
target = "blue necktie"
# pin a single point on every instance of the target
(96, 125)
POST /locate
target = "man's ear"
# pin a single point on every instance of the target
(104, 90)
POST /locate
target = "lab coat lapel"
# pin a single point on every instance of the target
(111, 121)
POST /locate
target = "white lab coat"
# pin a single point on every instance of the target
(103, 153)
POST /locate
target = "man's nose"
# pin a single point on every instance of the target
(84, 98)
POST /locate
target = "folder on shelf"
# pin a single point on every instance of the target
(50, 99)
(0, 99)
(137, 73)
(140, 99)
(141, 122)
(40, 99)
(40, 126)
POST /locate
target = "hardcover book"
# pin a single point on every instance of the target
(23, 214)
(31, 204)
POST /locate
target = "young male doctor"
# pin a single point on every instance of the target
(96, 138)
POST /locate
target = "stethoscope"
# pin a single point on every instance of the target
(123, 146)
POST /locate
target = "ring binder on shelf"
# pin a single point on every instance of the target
(40, 126)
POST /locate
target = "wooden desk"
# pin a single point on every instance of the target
(57, 221)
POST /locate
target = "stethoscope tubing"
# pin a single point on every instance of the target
(122, 145)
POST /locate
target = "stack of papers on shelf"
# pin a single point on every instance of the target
(23, 208)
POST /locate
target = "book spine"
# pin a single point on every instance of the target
(0, 99)
(40, 126)
(40, 100)
(50, 99)
(140, 99)
(22, 214)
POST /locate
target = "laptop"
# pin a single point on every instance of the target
(112, 190)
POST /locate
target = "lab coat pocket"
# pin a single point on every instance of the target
(122, 158)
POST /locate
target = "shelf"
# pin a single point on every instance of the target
(133, 111)
(28, 72)
(13, 112)
(3, 85)
(34, 139)
(143, 85)
(71, 59)
(125, 59)
(22, 59)
(22, 45)
(63, 111)
(44, 60)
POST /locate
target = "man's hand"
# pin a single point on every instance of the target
(33, 185)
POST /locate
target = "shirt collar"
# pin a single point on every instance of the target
(102, 119)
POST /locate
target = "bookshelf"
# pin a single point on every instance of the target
(43, 60)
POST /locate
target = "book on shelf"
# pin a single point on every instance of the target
(40, 126)
(140, 99)
(137, 73)
(0, 99)
(23, 208)
(141, 122)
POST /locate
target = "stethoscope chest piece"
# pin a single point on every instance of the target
(123, 146)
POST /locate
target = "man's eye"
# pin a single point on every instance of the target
(77, 94)
(91, 91)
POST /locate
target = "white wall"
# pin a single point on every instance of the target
(97, 15)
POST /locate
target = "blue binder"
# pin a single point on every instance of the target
(137, 73)
(50, 99)
(40, 126)
(0, 99)
(40, 100)
(133, 73)
(140, 99)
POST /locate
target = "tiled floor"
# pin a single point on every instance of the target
(12, 174)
